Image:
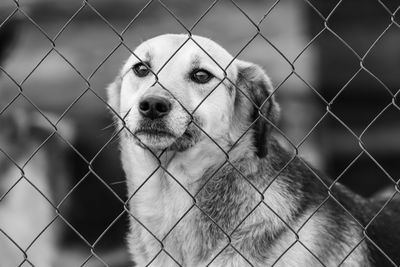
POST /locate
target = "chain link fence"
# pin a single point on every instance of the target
(55, 128)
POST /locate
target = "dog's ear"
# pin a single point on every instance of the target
(113, 95)
(255, 89)
(8, 36)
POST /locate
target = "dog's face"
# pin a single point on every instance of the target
(172, 93)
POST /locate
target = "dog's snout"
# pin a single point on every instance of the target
(154, 107)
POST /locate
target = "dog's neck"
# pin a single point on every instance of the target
(187, 167)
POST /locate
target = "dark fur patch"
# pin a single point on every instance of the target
(187, 140)
(227, 198)
(384, 231)
(8, 36)
(254, 83)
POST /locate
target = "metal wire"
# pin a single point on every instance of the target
(124, 203)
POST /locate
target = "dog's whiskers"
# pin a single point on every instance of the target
(111, 125)
(118, 182)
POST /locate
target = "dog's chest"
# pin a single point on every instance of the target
(164, 200)
(162, 193)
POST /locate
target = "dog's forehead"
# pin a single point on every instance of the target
(177, 47)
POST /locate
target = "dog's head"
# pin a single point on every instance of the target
(175, 92)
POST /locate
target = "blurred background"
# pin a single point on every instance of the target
(64, 53)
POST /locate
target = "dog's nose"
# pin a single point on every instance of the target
(154, 107)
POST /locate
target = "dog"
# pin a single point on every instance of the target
(24, 212)
(28, 196)
(210, 184)
(29, 236)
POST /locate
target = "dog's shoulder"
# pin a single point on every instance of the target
(341, 206)
(383, 231)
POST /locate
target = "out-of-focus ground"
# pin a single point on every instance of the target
(89, 54)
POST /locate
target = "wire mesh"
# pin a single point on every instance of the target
(257, 25)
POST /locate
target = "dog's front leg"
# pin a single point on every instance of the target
(145, 183)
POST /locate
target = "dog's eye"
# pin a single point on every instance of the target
(201, 76)
(140, 69)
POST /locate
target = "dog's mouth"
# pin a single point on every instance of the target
(154, 128)
(154, 133)
(157, 135)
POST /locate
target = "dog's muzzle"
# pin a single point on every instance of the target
(154, 107)
(158, 128)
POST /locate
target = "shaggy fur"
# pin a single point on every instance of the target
(24, 212)
(229, 194)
